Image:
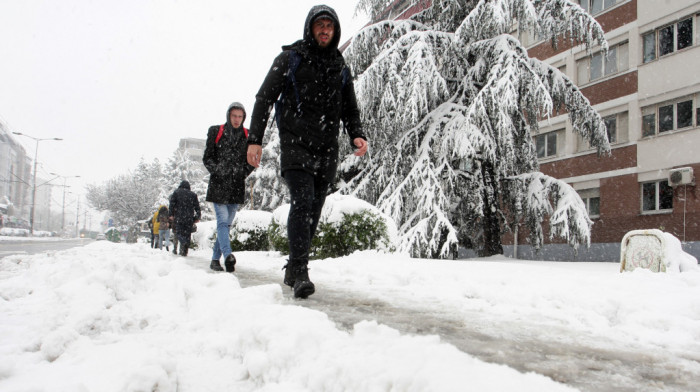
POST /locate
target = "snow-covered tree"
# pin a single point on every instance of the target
(451, 102)
(136, 195)
(268, 188)
(129, 197)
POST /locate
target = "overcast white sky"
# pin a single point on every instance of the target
(121, 80)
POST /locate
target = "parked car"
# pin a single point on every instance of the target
(100, 236)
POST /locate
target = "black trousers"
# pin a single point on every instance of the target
(307, 193)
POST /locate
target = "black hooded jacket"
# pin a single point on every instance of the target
(309, 129)
(226, 162)
(184, 207)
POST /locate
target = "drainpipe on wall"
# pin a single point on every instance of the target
(515, 242)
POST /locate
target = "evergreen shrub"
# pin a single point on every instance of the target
(277, 237)
(338, 234)
(249, 238)
(357, 231)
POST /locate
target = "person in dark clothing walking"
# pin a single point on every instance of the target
(316, 95)
(225, 159)
(172, 225)
(153, 236)
(184, 208)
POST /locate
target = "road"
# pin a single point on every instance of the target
(12, 247)
(588, 363)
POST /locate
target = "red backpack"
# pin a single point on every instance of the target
(221, 132)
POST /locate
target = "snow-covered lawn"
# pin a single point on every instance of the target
(125, 317)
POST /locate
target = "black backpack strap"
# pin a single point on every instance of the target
(293, 64)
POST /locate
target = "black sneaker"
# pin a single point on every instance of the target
(215, 265)
(303, 287)
(230, 263)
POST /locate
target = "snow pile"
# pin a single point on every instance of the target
(119, 317)
(252, 220)
(16, 232)
(677, 259)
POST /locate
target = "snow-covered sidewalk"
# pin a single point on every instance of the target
(124, 317)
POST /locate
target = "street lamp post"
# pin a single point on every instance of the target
(63, 213)
(36, 153)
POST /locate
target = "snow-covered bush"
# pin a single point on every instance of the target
(249, 230)
(347, 224)
(357, 231)
(277, 231)
(205, 236)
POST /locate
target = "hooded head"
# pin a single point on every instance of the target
(185, 185)
(235, 105)
(323, 11)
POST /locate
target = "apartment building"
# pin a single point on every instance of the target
(647, 88)
(15, 177)
(195, 150)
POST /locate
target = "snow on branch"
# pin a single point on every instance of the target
(585, 120)
(491, 18)
(566, 18)
(549, 19)
(568, 218)
(372, 40)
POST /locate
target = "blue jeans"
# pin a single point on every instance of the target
(224, 217)
(163, 238)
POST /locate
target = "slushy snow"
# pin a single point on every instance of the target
(125, 317)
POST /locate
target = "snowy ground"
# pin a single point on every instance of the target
(118, 317)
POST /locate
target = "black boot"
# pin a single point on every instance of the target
(215, 265)
(174, 249)
(184, 249)
(288, 274)
(230, 263)
(303, 287)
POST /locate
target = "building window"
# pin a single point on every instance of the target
(611, 126)
(600, 65)
(617, 127)
(667, 40)
(546, 145)
(667, 116)
(528, 37)
(657, 196)
(591, 198)
(597, 6)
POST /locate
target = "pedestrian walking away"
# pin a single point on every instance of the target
(163, 228)
(313, 91)
(153, 236)
(174, 236)
(225, 157)
(155, 224)
(185, 210)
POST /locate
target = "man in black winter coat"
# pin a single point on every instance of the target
(184, 208)
(225, 159)
(316, 97)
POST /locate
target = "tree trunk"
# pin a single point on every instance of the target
(491, 223)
